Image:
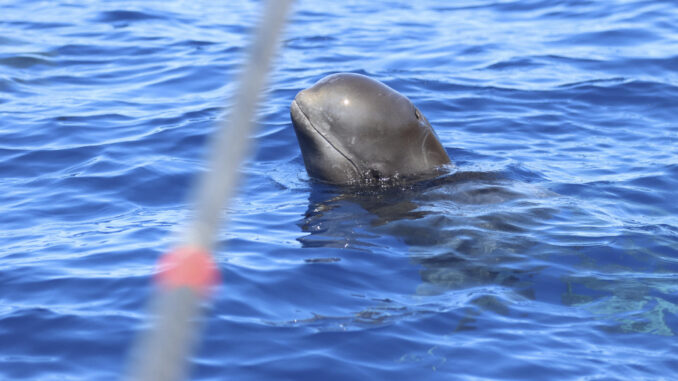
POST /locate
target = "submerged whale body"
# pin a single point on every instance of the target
(356, 130)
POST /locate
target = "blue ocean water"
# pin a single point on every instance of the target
(551, 251)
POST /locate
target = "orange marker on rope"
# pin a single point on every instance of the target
(186, 266)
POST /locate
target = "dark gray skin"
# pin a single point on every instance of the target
(353, 130)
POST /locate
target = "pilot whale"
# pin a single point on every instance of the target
(353, 129)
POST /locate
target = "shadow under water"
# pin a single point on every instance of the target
(485, 231)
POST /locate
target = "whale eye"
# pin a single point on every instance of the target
(373, 174)
(417, 114)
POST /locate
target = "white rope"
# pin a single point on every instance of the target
(162, 352)
(229, 146)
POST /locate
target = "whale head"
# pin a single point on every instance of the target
(353, 129)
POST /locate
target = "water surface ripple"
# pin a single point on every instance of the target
(551, 251)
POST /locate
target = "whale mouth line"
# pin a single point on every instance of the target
(308, 122)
